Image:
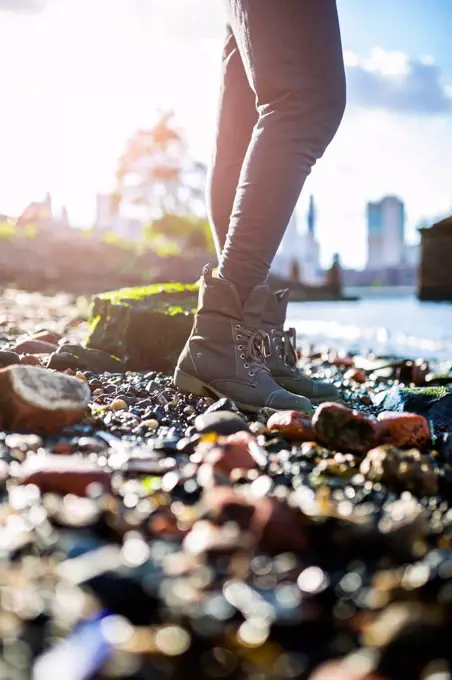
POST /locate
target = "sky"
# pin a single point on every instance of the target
(80, 76)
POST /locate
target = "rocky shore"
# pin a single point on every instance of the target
(149, 534)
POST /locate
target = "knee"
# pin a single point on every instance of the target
(309, 118)
(335, 108)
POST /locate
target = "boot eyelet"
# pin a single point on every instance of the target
(240, 347)
(246, 365)
(238, 337)
(237, 328)
(273, 331)
(242, 356)
(251, 373)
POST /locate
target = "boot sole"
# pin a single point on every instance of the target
(188, 383)
(323, 400)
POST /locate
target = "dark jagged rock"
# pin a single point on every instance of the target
(144, 327)
(223, 404)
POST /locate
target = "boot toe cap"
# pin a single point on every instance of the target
(324, 391)
(283, 400)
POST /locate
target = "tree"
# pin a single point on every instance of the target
(157, 176)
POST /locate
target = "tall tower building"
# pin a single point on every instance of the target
(386, 233)
(311, 217)
(299, 251)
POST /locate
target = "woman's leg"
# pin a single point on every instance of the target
(236, 119)
(292, 55)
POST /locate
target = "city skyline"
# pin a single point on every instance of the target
(70, 109)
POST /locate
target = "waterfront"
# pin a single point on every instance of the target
(384, 321)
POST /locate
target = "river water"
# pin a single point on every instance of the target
(390, 322)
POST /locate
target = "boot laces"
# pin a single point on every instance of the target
(255, 349)
(286, 345)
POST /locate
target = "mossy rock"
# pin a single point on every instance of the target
(146, 327)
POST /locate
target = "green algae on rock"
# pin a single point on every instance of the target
(145, 327)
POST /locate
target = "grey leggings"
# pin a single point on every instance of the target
(282, 100)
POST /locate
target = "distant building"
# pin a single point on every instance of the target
(411, 255)
(109, 218)
(435, 272)
(42, 215)
(386, 233)
(298, 256)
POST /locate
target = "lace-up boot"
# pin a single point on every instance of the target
(282, 361)
(225, 353)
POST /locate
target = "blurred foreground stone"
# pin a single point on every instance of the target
(37, 400)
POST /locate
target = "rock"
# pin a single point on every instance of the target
(264, 414)
(273, 526)
(338, 360)
(294, 425)
(338, 427)
(118, 405)
(238, 450)
(444, 445)
(35, 347)
(220, 422)
(400, 470)
(338, 670)
(413, 372)
(30, 360)
(91, 445)
(63, 360)
(153, 386)
(9, 358)
(357, 375)
(146, 327)
(94, 360)
(150, 424)
(434, 403)
(63, 474)
(258, 428)
(439, 379)
(223, 404)
(405, 430)
(47, 336)
(35, 399)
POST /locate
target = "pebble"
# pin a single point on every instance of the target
(63, 474)
(9, 358)
(221, 422)
(223, 404)
(30, 360)
(63, 361)
(405, 430)
(150, 424)
(341, 428)
(118, 405)
(294, 425)
(35, 347)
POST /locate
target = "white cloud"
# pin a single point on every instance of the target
(394, 81)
